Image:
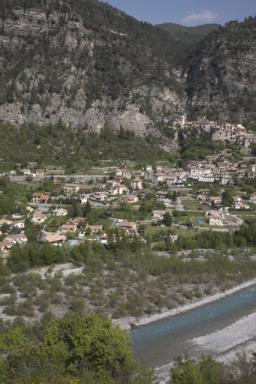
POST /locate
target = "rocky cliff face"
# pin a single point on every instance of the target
(87, 64)
(221, 76)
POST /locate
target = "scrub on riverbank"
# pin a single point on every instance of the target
(129, 322)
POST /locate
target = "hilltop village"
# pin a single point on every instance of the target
(222, 132)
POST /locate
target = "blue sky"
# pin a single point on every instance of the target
(187, 12)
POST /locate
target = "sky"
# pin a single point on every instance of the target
(187, 12)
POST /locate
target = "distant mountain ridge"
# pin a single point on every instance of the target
(191, 35)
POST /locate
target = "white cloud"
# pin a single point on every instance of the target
(205, 16)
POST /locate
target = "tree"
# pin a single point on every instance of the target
(167, 220)
(75, 209)
(87, 209)
(227, 199)
(253, 148)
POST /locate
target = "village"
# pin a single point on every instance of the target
(223, 132)
(160, 233)
(202, 196)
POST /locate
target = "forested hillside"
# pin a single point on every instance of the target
(75, 150)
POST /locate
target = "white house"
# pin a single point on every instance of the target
(19, 224)
(61, 212)
(137, 183)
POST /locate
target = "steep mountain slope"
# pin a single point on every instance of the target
(221, 75)
(86, 63)
(188, 35)
(92, 66)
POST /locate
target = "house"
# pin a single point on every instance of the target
(216, 200)
(68, 228)
(60, 212)
(39, 173)
(36, 197)
(40, 198)
(55, 239)
(251, 173)
(95, 229)
(26, 171)
(131, 199)
(104, 239)
(84, 198)
(239, 203)
(6, 245)
(19, 224)
(126, 174)
(149, 168)
(116, 188)
(11, 240)
(253, 198)
(70, 189)
(137, 183)
(231, 220)
(158, 215)
(39, 218)
(161, 194)
(129, 227)
(99, 196)
(215, 218)
(220, 219)
(216, 221)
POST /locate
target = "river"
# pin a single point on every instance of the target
(158, 343)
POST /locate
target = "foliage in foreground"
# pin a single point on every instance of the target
(71, 350)
(90, 350)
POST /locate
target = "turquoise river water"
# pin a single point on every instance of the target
(160, 342)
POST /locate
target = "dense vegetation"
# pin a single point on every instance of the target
(197, 147)
(74, 149)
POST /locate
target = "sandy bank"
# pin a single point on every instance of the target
(229, 341)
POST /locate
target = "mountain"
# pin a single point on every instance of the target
(92, 67)
(221, 74)
(85, 63)
(188, 35)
